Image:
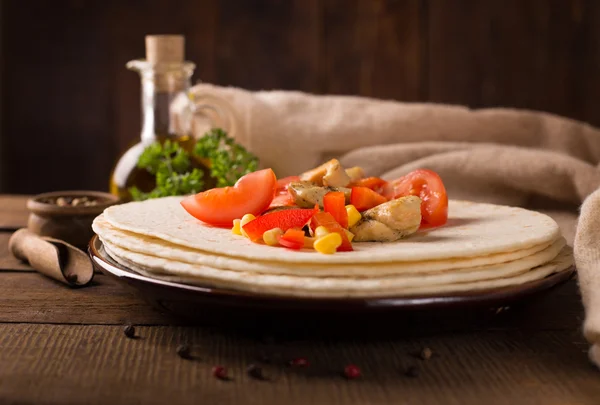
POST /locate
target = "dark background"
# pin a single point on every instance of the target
(69, 106)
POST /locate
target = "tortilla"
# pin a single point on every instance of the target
(473, 230)
(331, 286)
(156, 247)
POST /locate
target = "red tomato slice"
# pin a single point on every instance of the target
(293, 239)
(335, 204)
(364, 198)
(282, 184)
(252, 194)
(326, 219)
(427, 185)
(284, 220)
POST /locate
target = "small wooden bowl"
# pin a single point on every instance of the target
(72, 224)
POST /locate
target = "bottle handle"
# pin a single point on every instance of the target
(220, 113)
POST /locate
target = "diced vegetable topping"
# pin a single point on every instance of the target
(321, 231)
(272, 236)
(309, 242)
(247, 218)
(328, 244)
(390, 205)
(335, 204)
(353, 215)
(236, 230)
(364, 198)
(284, 220)
(293, 239)
(326, 220)
(374, 183)
(283, 200)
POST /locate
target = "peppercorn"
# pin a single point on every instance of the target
(183, 351)
(129, 331)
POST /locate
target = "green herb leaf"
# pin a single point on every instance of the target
(172, 165)
(228, 160)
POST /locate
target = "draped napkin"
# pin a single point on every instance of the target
(505, 156)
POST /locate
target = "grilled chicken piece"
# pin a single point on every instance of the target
(336, 176)
(307, 194)
(389, 221)
(356, 173)
(329, 174)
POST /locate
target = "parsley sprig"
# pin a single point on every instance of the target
(228, 160)
(172, 165)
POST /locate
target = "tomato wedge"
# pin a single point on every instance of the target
(284, 220)
(364, 198)
(335, 203)
(293, 239)
(252, 194)
(427, 185)
(326, 219)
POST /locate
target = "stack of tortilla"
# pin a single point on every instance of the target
(482, 247)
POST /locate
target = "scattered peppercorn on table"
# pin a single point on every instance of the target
(102, 344)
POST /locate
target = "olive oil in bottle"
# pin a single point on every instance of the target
(167, 111)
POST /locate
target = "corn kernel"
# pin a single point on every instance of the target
(328, 243)
(271, 237)
(320, 232)
(309, 242)
(245, 219)
(349, 234)
(237, 229)
(353, 215)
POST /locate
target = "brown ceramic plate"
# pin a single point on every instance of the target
(178, 298)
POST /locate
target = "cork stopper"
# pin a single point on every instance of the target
(165, 48)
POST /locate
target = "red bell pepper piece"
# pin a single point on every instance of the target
(283, 200)
(374, 183)
(364, 198)
(326, 219)
(335, 203)
(285, 219)
(293, 239)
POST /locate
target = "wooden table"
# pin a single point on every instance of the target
(61, 345)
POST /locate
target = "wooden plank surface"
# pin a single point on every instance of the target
(98, 364)
(13, 212)
(34, 298)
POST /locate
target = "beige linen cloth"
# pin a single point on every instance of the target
(514, 157)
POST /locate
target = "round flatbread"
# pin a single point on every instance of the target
(473, 230)
(330, 286)
(522, 259)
